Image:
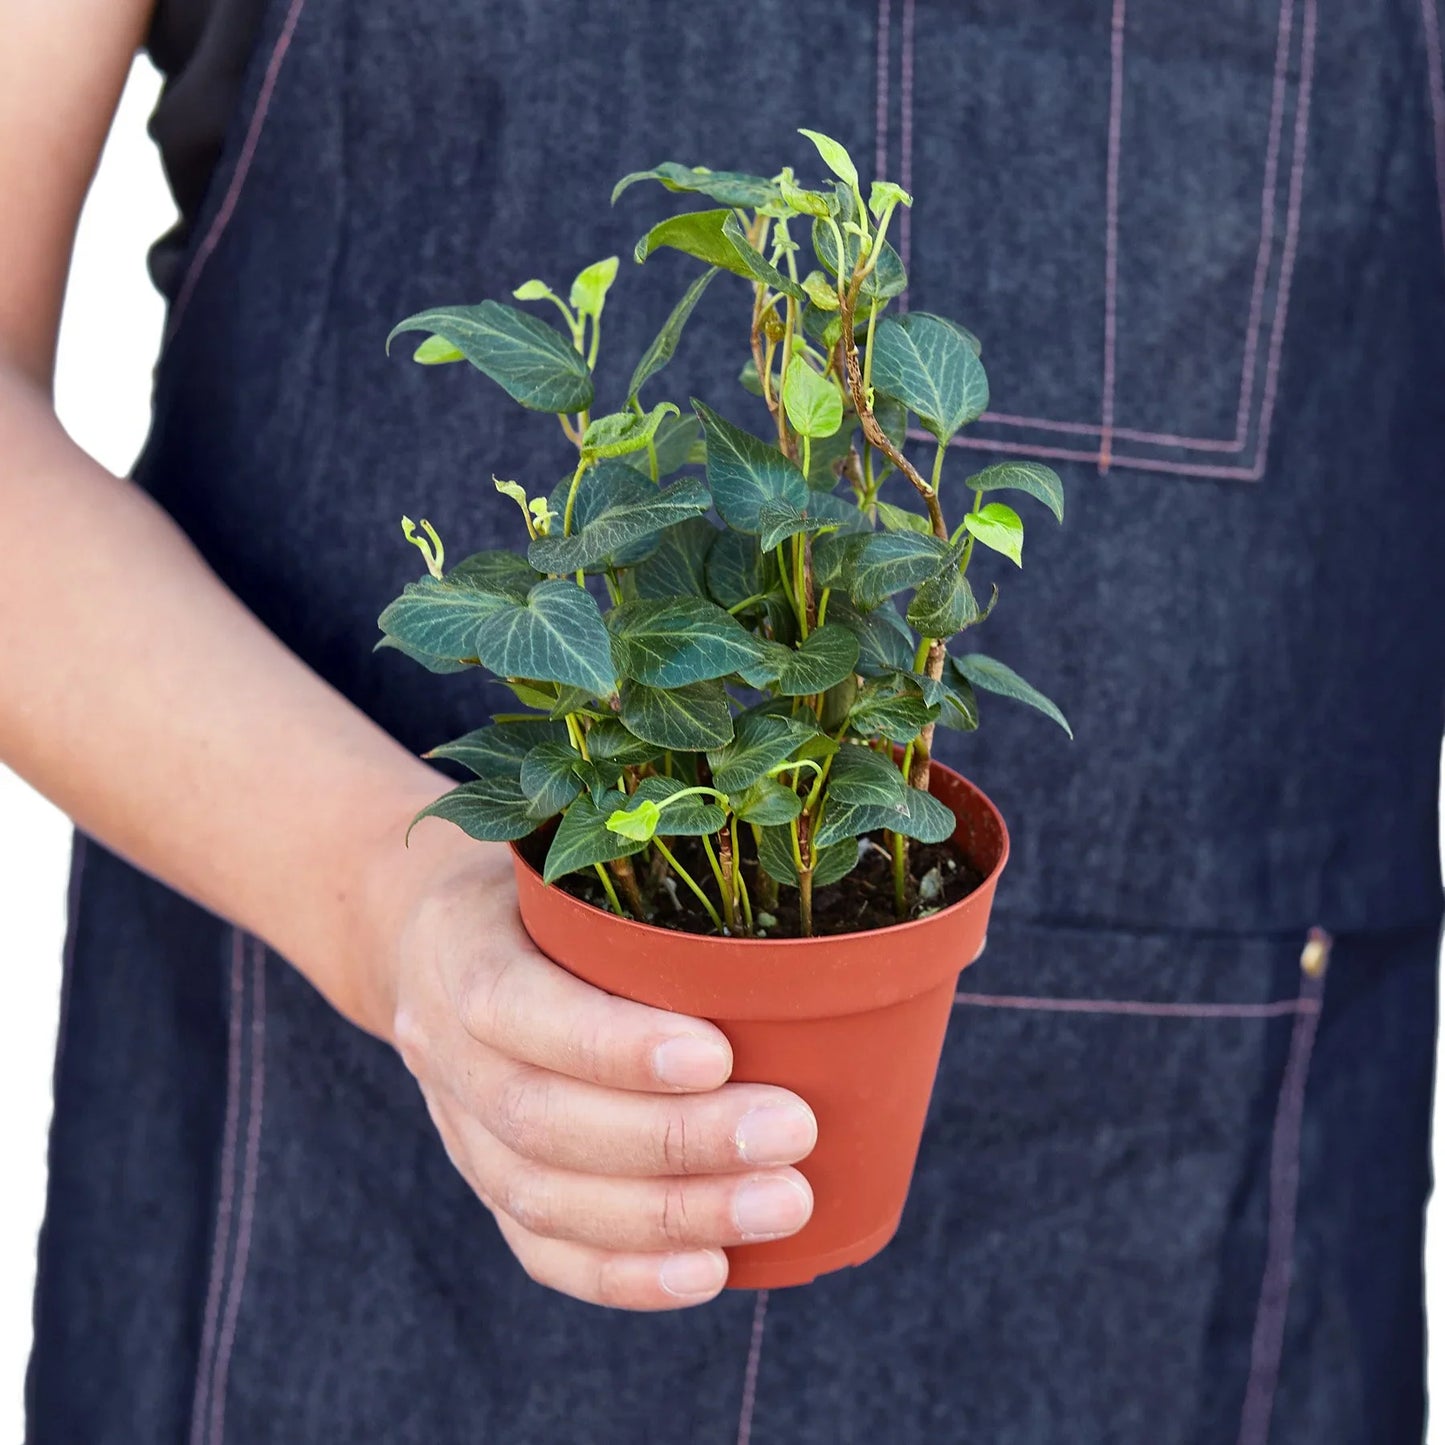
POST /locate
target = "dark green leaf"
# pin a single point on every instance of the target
(884, 640)
(737, 568)
(744, 473)
(442, 666)
(760, 741)
(556, 635)
(690, 818)
(890, 562)
(583, 838)
(549, 778)
(826, 455)
(887, 279)
(990, 676)
(826, 657)
(664, 344)
(929, 821)
(608, 741)
(944, 603)
(775, 854)
(699, 234)
(504, 573)
(1031, 477)
(728, 188)
(758, 267)
(885, 711)
(767, 803)
(923, 362)
(534, 364)
(861, 775)
(670, 642)
(440, 619)
(615, 508)
(675, 443)
(676, 568)
(491, 810)
(687, 718)
(498, 750)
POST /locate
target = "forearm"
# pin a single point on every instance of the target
(145, 700)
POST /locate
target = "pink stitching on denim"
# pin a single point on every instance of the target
(238, 178)
(1139, 1008)
(905, 168)
(1085, 428)
(1111, 229)
(247, 1212)
(221, 1243)
(1436, 74)
(750, 1374)
(1267, 1349)
(880, 115)
(1142, 464)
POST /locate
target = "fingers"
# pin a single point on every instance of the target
(548, 1118)
(634, 1215)
(622, 1281)
(523, 1005)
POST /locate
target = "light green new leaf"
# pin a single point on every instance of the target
(670, 642)
(528, 359)
(998, 526)
(435, 351)
(990, 676)
(549, 778)
(728, 188)
(925, 363)
(690, 818)
(900, 519)
(835, 156)
(760, 741)
(824, 658)
(775, 854)
(589, 290)
(884, 194)
(744, 473)
(491, 810)
(1031, 477)
(556, 635)
(685, 719)
(622, 432)
(615, 509)
(498, 749)
(664, 344)
(814, 404)
(677, 567)
(583, 837)
(699, 234)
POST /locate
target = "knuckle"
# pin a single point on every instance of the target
(521, 1109)
(676, 1150)
(675, 1223)
(592, 1045)
(612, 1284)
(526, 1197)
(483, 1007)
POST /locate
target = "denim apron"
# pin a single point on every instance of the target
(1172, 1185)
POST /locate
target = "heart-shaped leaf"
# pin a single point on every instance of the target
(899, 519)
(737, 569)
(671, 642)
(677, 567)
(534, 364)
(442, 666)
(439, 618)
(991, 676)
(589, 290)
(743, 473)
(615, 509)
(664, 344)
(889, 562)
(556, 635)
(685, 719)
(861, 775)
(884, 640)
(767, 803)
(923, 362)
(498, 749)
(813, 403)
(583, 837)
(825, 657)
(760, 741)
(608, 741)
(491, 810)
(690, 817)
(998, 526)
(1031, 477)
(884, 709)
(549, 778)
(775, 854)
(699, 234)
(944, 603)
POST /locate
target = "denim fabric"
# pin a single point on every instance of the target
(1172, 1188)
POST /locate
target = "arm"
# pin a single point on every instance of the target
(142, 697)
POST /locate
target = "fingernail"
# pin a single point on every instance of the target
(690, 1062)
(776, 1134)
(688, 1275)
(771, 1208)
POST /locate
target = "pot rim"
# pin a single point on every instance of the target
(713, 941)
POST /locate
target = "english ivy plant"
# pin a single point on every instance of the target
(769, 686)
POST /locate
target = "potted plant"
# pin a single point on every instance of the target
(719, 785)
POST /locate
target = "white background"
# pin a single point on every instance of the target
(108, 342)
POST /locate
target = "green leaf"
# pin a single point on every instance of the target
(923, 362)
(699, 234)
(990, 676)
(534, 290)
(884, 710)
(677, 439)
(919, 815)
(676, 568)
(969, 339)
(638, 820)
(767, 803)
(885, 194)
(998, 526)
(758, 267)
(821, 291)
(504, 573)
(549, 778)
(686, 719)
(557, 635)
(491, 810)
(608, 741)
(813, 403)
(834, 558)
(615, 508)
(689, 818)
(929, 821)
(899, 519)
(775, 854)
(835, 157)
(1031, 477)
(498, 750)
(743, 473)
(737, 568)
(436, 351)
(583, 838)
(589, 290)
(622, 432)
(671, 642)
(760, 741)
(944, 603)
(826, 657)
(442, 666)
(440, 618)
(780, 520)
(728, 188)
(890, 562)
(861, 775)
(885, 642)
(528, 359)
(664, 344)
(803, 201)
(960, 706)
(887, 279)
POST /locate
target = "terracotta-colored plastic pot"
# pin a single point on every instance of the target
(852, 1023)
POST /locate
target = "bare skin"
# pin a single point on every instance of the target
(146, 701)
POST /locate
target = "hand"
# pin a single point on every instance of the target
(603, 1135)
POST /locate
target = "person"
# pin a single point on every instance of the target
(1173, 1182)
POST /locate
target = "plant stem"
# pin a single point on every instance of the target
(690, 881)
(938, 465)
(747, 602)
(800, 589)
(727, 873)
(572, 497)
(609, 889)
(622, 871)
(900, 876)
(767, 884)
(823, 604)
(804, 851)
